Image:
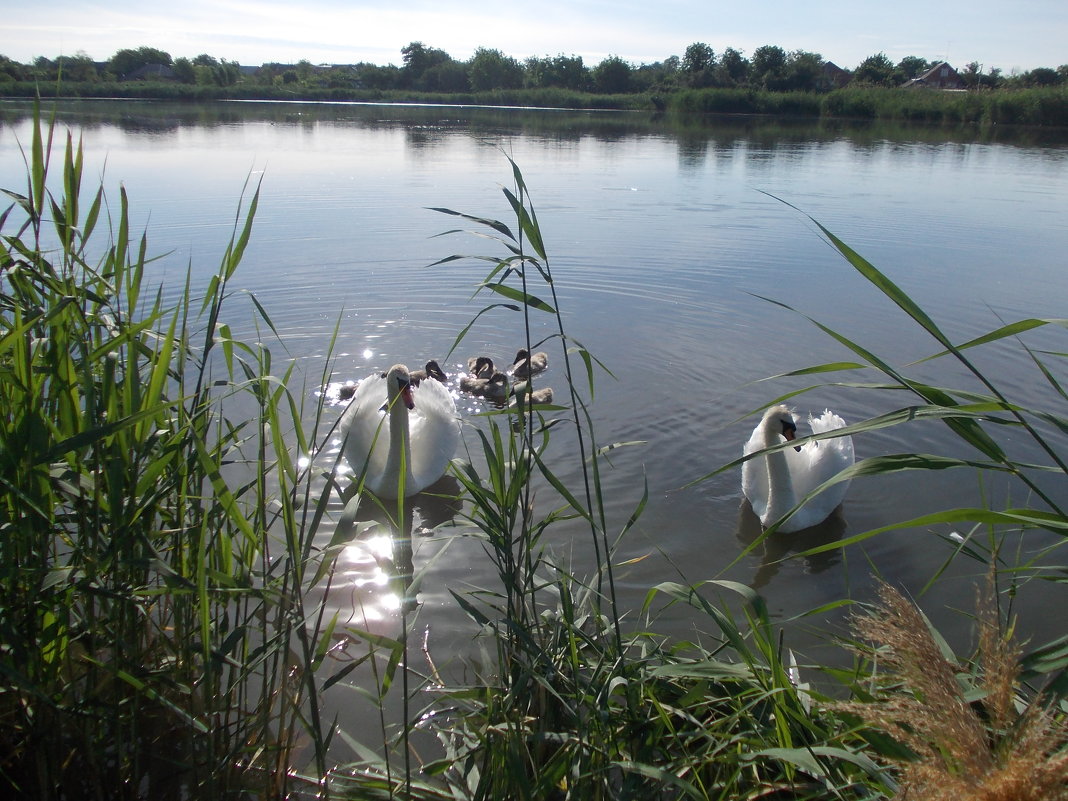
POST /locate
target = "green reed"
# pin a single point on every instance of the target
(154, 553)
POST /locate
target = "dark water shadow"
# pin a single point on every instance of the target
(778, 547)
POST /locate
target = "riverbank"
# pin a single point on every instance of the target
(1047, 107)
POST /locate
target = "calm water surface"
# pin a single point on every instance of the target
(663, 241)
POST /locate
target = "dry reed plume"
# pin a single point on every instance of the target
(999, 748)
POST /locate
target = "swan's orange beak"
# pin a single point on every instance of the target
(406, 396)
(789, 433)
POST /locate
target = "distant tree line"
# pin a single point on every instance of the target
(429, 69)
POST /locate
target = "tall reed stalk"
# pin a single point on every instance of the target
(154, 558)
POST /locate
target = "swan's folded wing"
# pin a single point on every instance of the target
(819, 461)
(365, 428)
(828, 421)
(435, 431)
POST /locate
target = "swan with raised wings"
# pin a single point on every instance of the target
(775, 482)
(392, 426)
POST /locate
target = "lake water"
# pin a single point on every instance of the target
(663, 240)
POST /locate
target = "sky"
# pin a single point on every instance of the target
(1012, 36)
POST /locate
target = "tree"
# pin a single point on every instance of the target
(373, 76)
(305, 70)
(612, 76)
(418, 59)
(876, 69)
(656, 76)
(564, 72)
(803, 71)
(698, 57)
(1043, 76)
(12, 70)
(910, 67)
(570, 72)
(992, 79)
(697, 64)
(733, 68)
(768, 67)
(538, 71)
(491, 69)
(78, 68)
(126, 61)
(225, 73)
(184, 70)
(446, 76)
(970, 74)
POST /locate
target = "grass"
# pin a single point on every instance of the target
(159, 547)
(1037, 107)
(550, 97)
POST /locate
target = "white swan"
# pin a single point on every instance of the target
(774, 483)
(420, 431)
(525, 365)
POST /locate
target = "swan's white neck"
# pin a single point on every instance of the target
(781, 498)
(399, 461)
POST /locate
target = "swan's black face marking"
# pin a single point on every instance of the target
(789, 431)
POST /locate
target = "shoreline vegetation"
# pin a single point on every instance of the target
(1032, 106)
(165, 554)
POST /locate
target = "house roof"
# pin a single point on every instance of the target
(934, 76)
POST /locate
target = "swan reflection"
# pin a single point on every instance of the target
(779, 546)
(377, 564)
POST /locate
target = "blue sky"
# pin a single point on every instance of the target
(1019, 35)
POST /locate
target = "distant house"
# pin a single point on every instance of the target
(151, 72)
(832, 76)
(940, 76)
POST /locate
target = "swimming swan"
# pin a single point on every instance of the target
(421, 431)
(774, 483)
(524, 365)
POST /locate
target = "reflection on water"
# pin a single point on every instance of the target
(775, 548)
(429, 124)
(375, 574)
